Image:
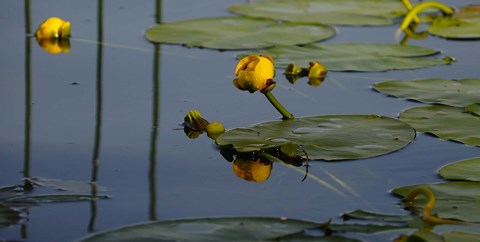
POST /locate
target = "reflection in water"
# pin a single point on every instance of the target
(54, 46)
(155, 120)
(98, 119)
(28, 103)
(257, 166)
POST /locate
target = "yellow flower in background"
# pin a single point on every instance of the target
(316, 73)
(255, 73)
(252, 170)
(53, 28)
(55, 46)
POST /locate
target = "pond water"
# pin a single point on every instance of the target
(120, 105)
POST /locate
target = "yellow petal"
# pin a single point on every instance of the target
(255, 171)
(242, 64)
(52, 28)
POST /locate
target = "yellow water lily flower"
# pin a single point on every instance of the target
(53, 27)
(54, 46)
(252, 170)
(316, 73)
(255, 73)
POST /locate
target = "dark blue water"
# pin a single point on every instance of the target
(60, 134)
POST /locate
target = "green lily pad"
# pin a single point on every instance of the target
(357, 56)
(336, 137)
(338, 12)
(54, 198)
(434, 91)
(473, 108)
(229, 33)
(461, 236)
(465, 24)
(468, 170)
(454, 200)
(445, 122)
(206, 229)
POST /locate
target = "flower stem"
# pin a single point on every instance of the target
(280, 108)
(412, 13)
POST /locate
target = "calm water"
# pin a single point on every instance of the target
(129, 103)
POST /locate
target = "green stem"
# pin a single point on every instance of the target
(280, 108)
(412, 13)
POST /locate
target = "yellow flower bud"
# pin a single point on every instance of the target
(214, 129)
(195, 121)
(255, 73)
(316, 73)
(252, 170)
(53, 27)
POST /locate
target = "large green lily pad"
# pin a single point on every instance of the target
(339, 12)
(336, 137)
(237, 33)
(206, 229)
(445, 122)
(465, 24)
(468, 170)
(454, 200)
(434, 91)
(357, 56)
(473, 108)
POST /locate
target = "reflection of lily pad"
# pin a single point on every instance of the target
(454, 200)
(462, 170)
(446, 122)
(341, 12)
(237, 33)
(357, 56)
(207, 229)
(463, 25)
(325, 137)
(8, 215)
(440, 91)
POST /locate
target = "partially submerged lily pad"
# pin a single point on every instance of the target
(468, 170)
(338, 12)
(445, 122)
(206, 229)
(434, 91)
(357, 56)
(465, 24)
(454, 200)
(336, 137)
(229, 33)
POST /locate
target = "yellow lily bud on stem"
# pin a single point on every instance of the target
(255, 73)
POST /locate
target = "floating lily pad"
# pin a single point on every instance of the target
(454, 200)
(237, 33)
(357, 56)
(65, 185)
(54, 198)
(339, 12)
(473, 108)
(336, 137)
(445, 122)
(465, 24)
(468, 170)
(206, 229)
(434, 91)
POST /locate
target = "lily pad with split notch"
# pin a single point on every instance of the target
(362, 57)
(230, 33)
(458, 93)
(445, 122)
(463, 25)
(337, 12)
(335, 137)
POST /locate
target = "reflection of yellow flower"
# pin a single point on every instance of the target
(53, 27)
(255, 73)
(252, 170)
(55, 46)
